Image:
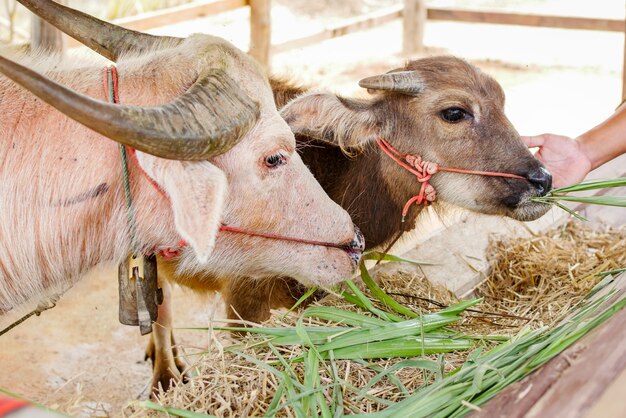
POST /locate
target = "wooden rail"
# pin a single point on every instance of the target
(527, 19)
(260, 21)
(209, 7)
(413, 12)
(180, 13)
(389, 14)
(357, 24)
(201, 8)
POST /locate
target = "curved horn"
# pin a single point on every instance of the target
(106, 39)
(207, 120)
(406, 82)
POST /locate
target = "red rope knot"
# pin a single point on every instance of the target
(424, 170)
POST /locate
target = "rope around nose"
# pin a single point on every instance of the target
(424, 170)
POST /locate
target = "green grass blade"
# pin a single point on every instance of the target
(337, 390)
(341, 316)
(571, 212)
(309, 403)
(611, 272)
(405, 347)
(383, 297)
(619, 201)
(272, 409)
(387, 332)
(415, 364)
(380, 256)
(591, 185)
(302, 299)
(367, 304)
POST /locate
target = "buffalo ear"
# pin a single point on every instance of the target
(346, 123)
(197, 191)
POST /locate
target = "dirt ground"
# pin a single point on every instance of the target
(77, 356)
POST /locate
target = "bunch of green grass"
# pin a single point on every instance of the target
(357, 337)
(563, 194)
(484, 375)
(389, 334)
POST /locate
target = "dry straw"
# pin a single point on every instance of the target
(293, 365)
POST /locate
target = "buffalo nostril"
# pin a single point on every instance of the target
(541, 179)
(358, 242)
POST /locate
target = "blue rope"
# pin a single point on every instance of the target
(132, 228)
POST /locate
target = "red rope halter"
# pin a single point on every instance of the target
(424, 170)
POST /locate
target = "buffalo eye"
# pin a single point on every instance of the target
(454, 115)
(275, 160)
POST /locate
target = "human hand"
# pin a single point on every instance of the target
(562, 156)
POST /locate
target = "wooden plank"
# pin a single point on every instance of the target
(414, 21)
(194, 10)
(180, 13)
(358, 24)
(392, 13)
(524, 19)
(611, 402)
(571, 383)
(171, 15)
(261, 31)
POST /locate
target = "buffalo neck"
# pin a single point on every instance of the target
(357, 184)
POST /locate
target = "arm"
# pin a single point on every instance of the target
(570, 160)
(607, 140)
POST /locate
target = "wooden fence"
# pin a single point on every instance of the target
(414, 13)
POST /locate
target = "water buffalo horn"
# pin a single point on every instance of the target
(106, 39)
(406, 82)
(207, 120)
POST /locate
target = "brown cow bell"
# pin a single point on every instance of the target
(138, 292)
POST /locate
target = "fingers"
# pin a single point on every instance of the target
(535, 141)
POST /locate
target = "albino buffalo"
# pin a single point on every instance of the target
(211, 150)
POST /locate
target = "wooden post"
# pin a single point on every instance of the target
(413, 26)
(261, 31)
(45, 36)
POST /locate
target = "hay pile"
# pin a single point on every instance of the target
(533, 283)
(542, 277)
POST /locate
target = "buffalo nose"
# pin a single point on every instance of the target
(541, 179)
(358, 242)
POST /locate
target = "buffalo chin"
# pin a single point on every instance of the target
(529, 211)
